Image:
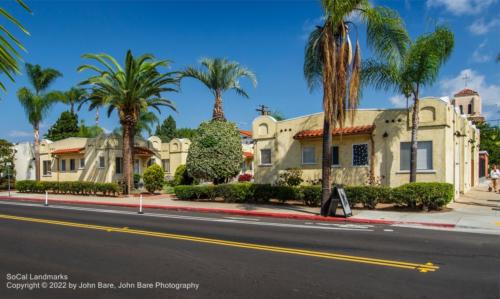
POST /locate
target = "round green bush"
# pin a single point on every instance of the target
(215, 154)
(153, 178)
(182, 177)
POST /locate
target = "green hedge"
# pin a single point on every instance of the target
(75, 187)
(414, 195)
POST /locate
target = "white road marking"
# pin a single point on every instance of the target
(345, 225)
(241, 218)
(183, 217)
(388, 230)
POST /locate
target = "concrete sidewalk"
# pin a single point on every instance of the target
(477, 211)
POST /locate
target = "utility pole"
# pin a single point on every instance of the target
(264, 110)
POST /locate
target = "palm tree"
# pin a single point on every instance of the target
(9, 55)
(419, 67)
(329, 62)
(37, 102)
(73, 97)
(220, 75)
(130, 90)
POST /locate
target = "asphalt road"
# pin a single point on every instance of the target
(234, 257)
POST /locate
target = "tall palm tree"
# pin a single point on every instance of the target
(329, 62)
(419, 67)
(130, 90)
(220, 75)
(9, 56)
(37, 102)
(73, 97)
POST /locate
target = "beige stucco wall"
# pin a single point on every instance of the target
(392, 126)
(109, 147)
(464, 101)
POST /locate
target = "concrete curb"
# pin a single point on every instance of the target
(236, 212)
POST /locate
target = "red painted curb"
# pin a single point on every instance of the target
(236, 212)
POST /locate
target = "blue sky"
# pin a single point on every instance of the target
(266, 36)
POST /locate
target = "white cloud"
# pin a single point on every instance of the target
(480, 27)
(479, 56)
(398, 101)
(490, 93)
(106, 131)
(17, 133)
(461, 7)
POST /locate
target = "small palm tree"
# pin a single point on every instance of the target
(419, 67)
(329, 62)
(73, 97)
(130, 90)
(10, 56)
(37, 102)
(220, 75)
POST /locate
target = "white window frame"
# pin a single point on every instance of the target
(352, 154)
(80, 164)
(270, 157)
(165, 162)
(74, 165)
(338, 147)
(314, 152)
(63, 161)
(48, 165)
(419, 170)
(99, 165)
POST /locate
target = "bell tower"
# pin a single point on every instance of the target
(469, 104)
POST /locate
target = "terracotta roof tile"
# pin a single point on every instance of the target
(143, 151)
(246, 133)
(466, 92)
(358, 130)
(75, 150)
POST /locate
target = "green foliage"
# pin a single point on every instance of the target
(10, 55)
(368, 196)
(490, 141)
(290, 177)
(89, 132)
(424, 195)
(74, 96)
(277, 115)
(182, 177)
(66, 126)
(166, 131)
(215, 153)
(188, 133)
(74, 187)
(6, 156)
(414, 195)
(154, 178)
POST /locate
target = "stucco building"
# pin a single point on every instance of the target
(375, 144)
(100, 159)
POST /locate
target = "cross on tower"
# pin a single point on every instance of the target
(466, 78)
(264, 110)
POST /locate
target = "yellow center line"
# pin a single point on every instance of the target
(421, 267)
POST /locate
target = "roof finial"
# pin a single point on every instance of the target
(466, 78)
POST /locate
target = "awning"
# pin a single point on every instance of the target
(357, 130)
(248, 154)
(246, 133)
(143, 151)
(76, 150)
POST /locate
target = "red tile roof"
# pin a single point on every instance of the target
(358, 130)
(248, 154)
(143, 151)
(466, 92)
(75, 150)
(246, 133)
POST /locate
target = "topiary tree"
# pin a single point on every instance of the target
(66, 126)
(153, 178)
(215, 153)
(182, 177)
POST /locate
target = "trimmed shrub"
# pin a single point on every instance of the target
(185, 192)
(424, 195)
(262, 193)
(239, 192)
(182, 177)
(154, 178)
(74, 187)
(311, 195)
(368, 196)
(284, 193)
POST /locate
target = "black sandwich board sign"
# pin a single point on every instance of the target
(329, 208)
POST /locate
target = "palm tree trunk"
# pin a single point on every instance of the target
(127, 158)
(36, 131)
(72, 108)
(97, 116)
(326, 162)
(414, 141)
(218, 112)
